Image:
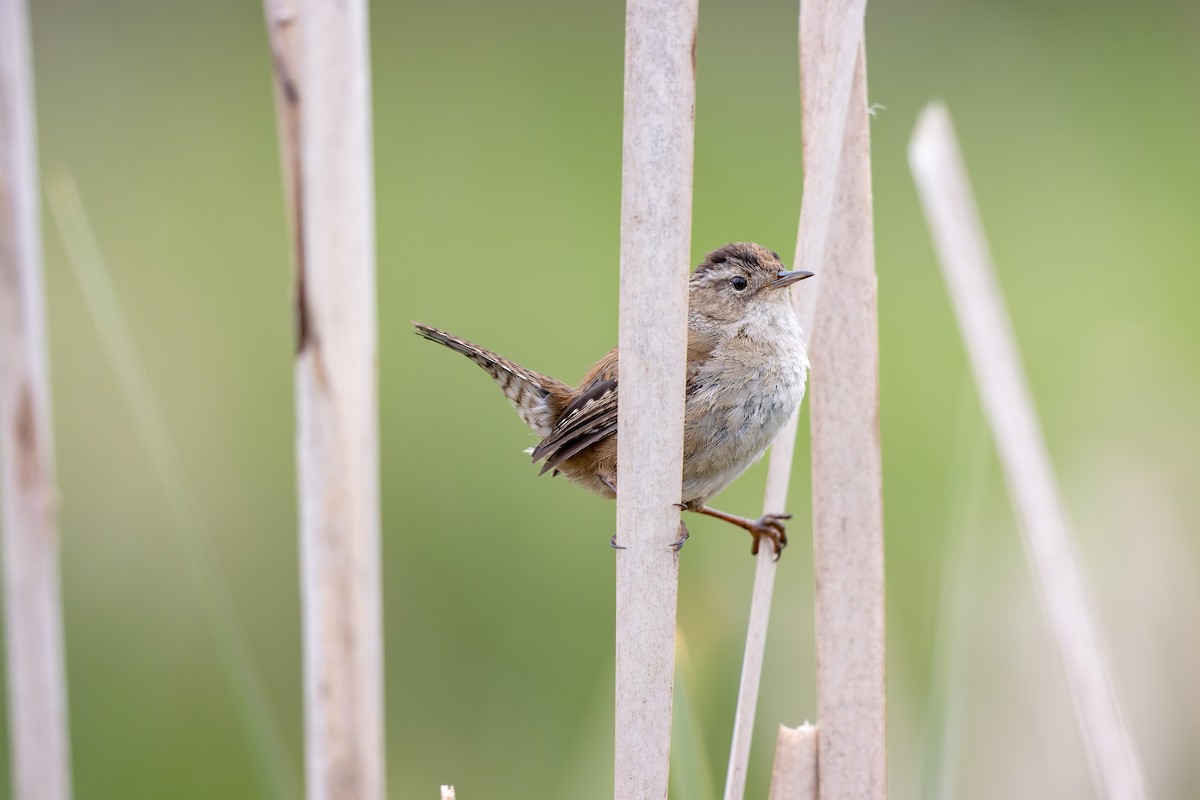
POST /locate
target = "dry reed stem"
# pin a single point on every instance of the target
(847, 484)
(282, 37)
(794, 774)
(830, 37)
(941, 179)
(37, 690)
(323, 71)
(656, 202)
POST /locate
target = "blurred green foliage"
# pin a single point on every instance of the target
(498, 140)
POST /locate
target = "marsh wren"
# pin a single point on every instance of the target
(746, 369)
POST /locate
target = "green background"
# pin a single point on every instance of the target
(497, 146)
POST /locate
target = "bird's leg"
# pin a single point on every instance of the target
(676, 545)
(768, 525)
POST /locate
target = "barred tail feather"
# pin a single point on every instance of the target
(533, 395)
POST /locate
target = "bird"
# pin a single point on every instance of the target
(746, 372)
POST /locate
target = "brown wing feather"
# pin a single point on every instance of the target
(589, 418)
(699, 348)
(590, 424)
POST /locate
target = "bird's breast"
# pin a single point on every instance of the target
(739, 400)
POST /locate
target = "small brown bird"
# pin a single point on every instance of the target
(746, 369)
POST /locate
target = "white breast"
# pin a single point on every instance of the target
(747, 391)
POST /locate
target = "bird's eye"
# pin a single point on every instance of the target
(738, 283)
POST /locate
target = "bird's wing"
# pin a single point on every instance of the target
(591, 416)
(699, 347)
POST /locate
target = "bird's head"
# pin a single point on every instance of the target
(739, 280)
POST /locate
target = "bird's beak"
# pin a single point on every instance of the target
(785, 278)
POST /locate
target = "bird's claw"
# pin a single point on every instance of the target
(677, 545)
(769, 526)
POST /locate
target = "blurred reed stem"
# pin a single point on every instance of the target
(268, 754)
(941, 178)
(847, 479)
(794, 774)
(847, 492)
(37, 684)
(656, 218)
(691, 771)
(943, 734)
(321, 60)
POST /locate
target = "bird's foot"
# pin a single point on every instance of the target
(769, 526)
(677, 545)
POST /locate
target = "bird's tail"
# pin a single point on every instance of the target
(536, 397)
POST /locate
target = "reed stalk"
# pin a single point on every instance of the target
(794, 774)
(323, 82)
(950, 211)
(847, 479)
(838, 247)
(267, 751)
(656, 203)
(37, 687)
